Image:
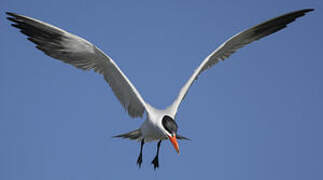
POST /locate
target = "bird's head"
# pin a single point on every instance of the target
(170, 129)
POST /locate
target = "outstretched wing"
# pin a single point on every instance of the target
(233, 44)
(80, 53)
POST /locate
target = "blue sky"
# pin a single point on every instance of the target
(258, 115)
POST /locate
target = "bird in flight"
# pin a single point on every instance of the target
(160, 123)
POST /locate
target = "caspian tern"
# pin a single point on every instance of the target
(159, 124)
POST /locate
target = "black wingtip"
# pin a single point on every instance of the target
(12, 17)
(309, 9)
(11, 14)
(304, 11)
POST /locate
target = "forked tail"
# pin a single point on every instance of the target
(132, 135)
(136, 135)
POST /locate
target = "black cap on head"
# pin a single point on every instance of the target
(169, 124)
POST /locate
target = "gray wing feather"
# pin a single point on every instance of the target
(233, 44)
(80, 53)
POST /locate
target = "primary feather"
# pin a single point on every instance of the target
(80, 53)
(233, 44)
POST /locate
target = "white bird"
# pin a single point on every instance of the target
(159, 124)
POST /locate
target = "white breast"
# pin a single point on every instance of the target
(151, 129)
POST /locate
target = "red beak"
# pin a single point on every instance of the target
(174, 142)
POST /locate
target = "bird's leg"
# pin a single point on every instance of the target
(139, 160)
(155, 161)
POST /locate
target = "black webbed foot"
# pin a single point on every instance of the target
(155, 162)
(139, 160)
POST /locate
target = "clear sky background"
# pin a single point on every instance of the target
(258, 115)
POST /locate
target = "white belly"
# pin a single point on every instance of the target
(151, 132)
